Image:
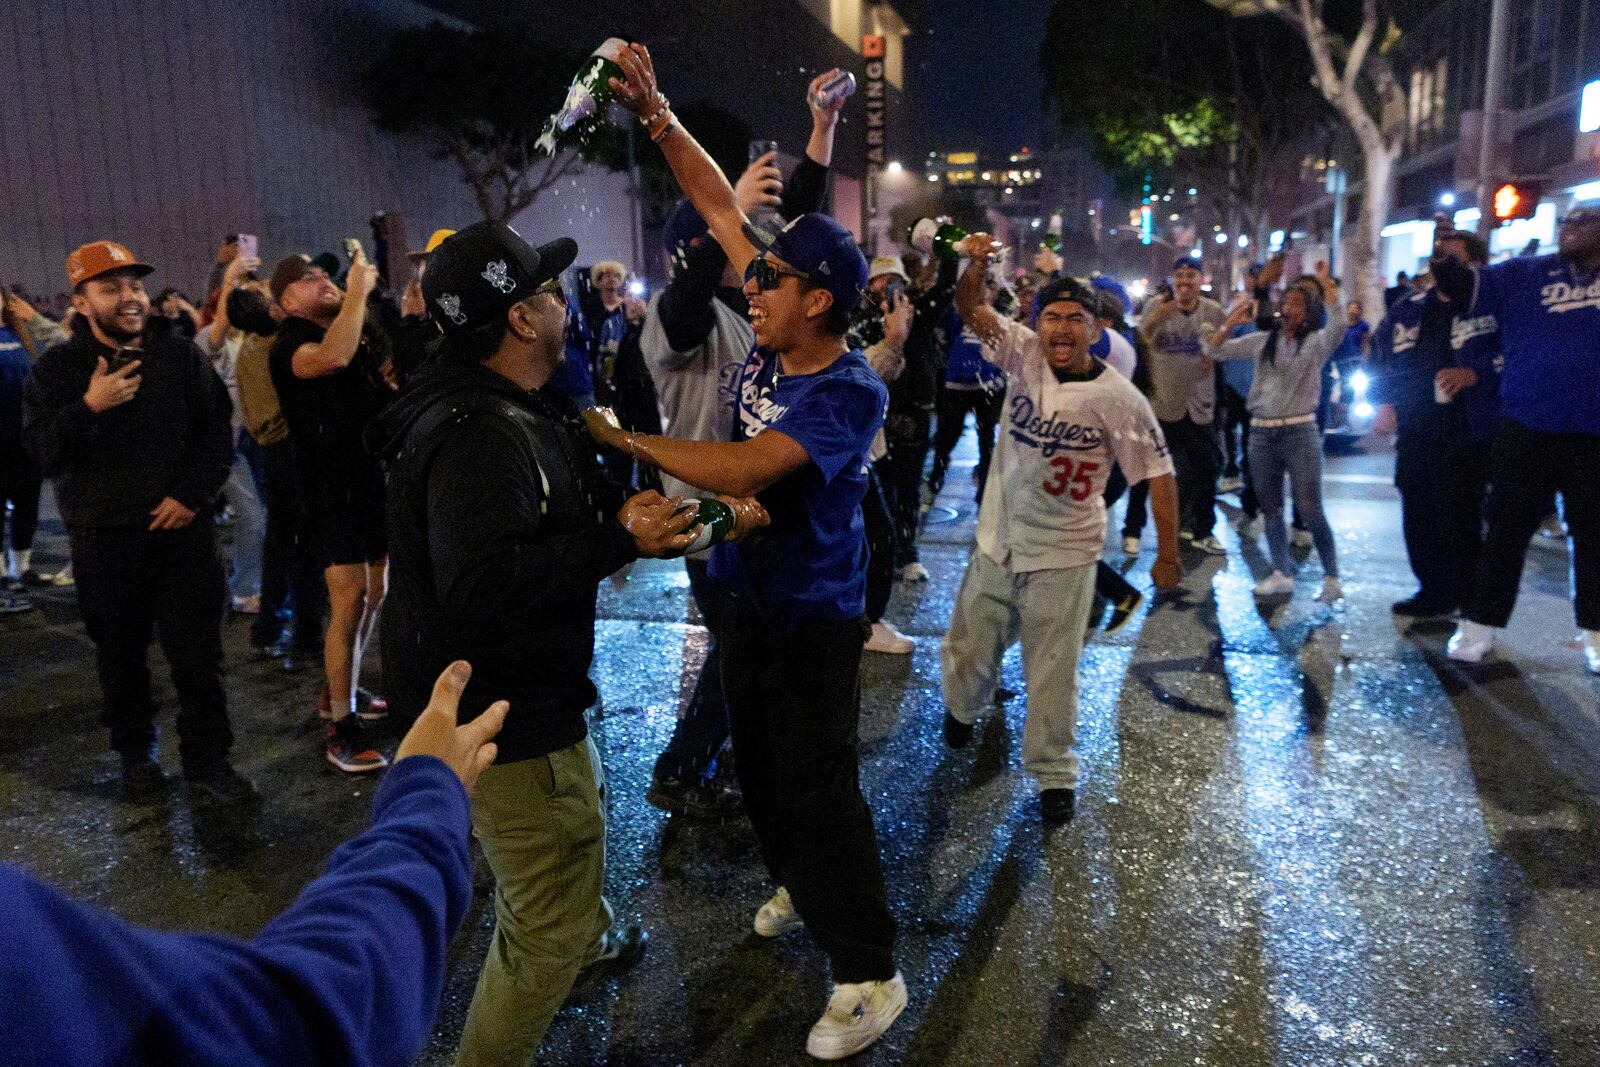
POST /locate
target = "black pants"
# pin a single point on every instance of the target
(880, 547)
(290, 564)
(1194, 460)
(1442, 478)
(691, 752)
(1233, 422)
(900, 473)
(1525, 469)
(1107, 582)
(19, 486)
(1138, 500)
(951, 413)
(794, 702)
(133, 583)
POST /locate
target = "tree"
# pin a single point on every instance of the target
(1354, 74)
(1180, 95)
(482, 97)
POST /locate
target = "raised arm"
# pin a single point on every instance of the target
(697, 173)
(824, 117)
(972, 300)
(338, 346)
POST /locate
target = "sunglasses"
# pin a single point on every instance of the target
(769, 274)
(552, 288)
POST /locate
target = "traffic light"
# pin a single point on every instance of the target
(1516, 200)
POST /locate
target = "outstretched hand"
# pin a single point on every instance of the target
(466, 750)
(824, 113)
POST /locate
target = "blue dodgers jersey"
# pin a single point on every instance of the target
(1475, 344)
(966, 365)
(812, 561)
(1549, 319)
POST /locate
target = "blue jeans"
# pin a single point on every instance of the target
(1296, 451)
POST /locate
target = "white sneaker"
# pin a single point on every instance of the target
(1275, 584)
(1209, 545)
(858, 1014)
(1130, 546)
(913, 572)
(1300, 539)
(885, 638)
(1471, 642)
(247, 605)
(1590, 640)
(1230, 485)
(1332, 591)
(777, 916)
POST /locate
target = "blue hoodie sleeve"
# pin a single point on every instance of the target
(350, 974)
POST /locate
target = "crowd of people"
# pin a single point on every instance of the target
(456, 471)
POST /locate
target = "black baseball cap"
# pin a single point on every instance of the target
(1067, 287)
(479, 272)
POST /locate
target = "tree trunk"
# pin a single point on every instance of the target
(1363, 260)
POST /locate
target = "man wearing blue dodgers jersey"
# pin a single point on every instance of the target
(808, 410)
(1043, 522)
(1548, 437)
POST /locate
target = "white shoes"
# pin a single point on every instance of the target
(885, 638)
(913, 572)
(1130, 546)
(1230, 485)
(247, 605)
(1300, 539)
(858, 1014)
(1471, 642)
(1332, 591)
(1589, 640)
(777, 916)
(1209, 545)
(1275, 584)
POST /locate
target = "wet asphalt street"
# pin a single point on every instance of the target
(1303, 836)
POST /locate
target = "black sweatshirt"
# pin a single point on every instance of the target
(172, 439)
(501, 527)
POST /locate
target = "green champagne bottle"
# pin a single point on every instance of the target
(937, 237)
(589, 92)
(716, 522)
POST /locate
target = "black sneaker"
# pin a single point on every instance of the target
(669, 794)
(15, 603)
(142, 778)
(32, 579)
(956, 732)
(1055, 805)
(1123, 610)
(1418, 608)
(219, 785)
(620, 949)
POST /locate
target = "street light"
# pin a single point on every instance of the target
(1222, 238)
(894, 167)
(1447, 199)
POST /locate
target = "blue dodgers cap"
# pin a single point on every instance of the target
(824, 250)
(1104, 283)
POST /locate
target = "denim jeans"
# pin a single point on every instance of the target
(1295, 451)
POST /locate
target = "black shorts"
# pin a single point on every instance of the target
(345, 514)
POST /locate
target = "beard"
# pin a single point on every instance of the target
(112, 327)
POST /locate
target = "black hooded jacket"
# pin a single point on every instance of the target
(501, 527)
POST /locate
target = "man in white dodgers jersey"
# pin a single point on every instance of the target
(1067, 419)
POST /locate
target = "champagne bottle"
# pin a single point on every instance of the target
(938, 237)
(715, 519)
(589, 92)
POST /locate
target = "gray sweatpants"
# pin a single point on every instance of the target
(1049, 611)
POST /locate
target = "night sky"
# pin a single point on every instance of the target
(983, 73)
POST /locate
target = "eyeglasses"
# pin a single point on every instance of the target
(553, 288)
(768, 274)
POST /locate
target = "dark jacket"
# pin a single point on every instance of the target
(917, 387)
(173, 438)
(500, 530)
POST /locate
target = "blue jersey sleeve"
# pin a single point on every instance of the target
(350, 973)
(834, 421)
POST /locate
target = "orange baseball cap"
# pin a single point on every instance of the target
(101, 257)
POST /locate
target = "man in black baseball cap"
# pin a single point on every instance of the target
(501, 527)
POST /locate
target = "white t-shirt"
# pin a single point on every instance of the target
(1043, 505)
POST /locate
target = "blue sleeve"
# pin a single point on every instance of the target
(1380, 355)
(834, 421)
(350, 973)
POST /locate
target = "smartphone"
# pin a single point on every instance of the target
(761, 148)
(893, 292)
(122, 357)
(247, 246)
(352, 249)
